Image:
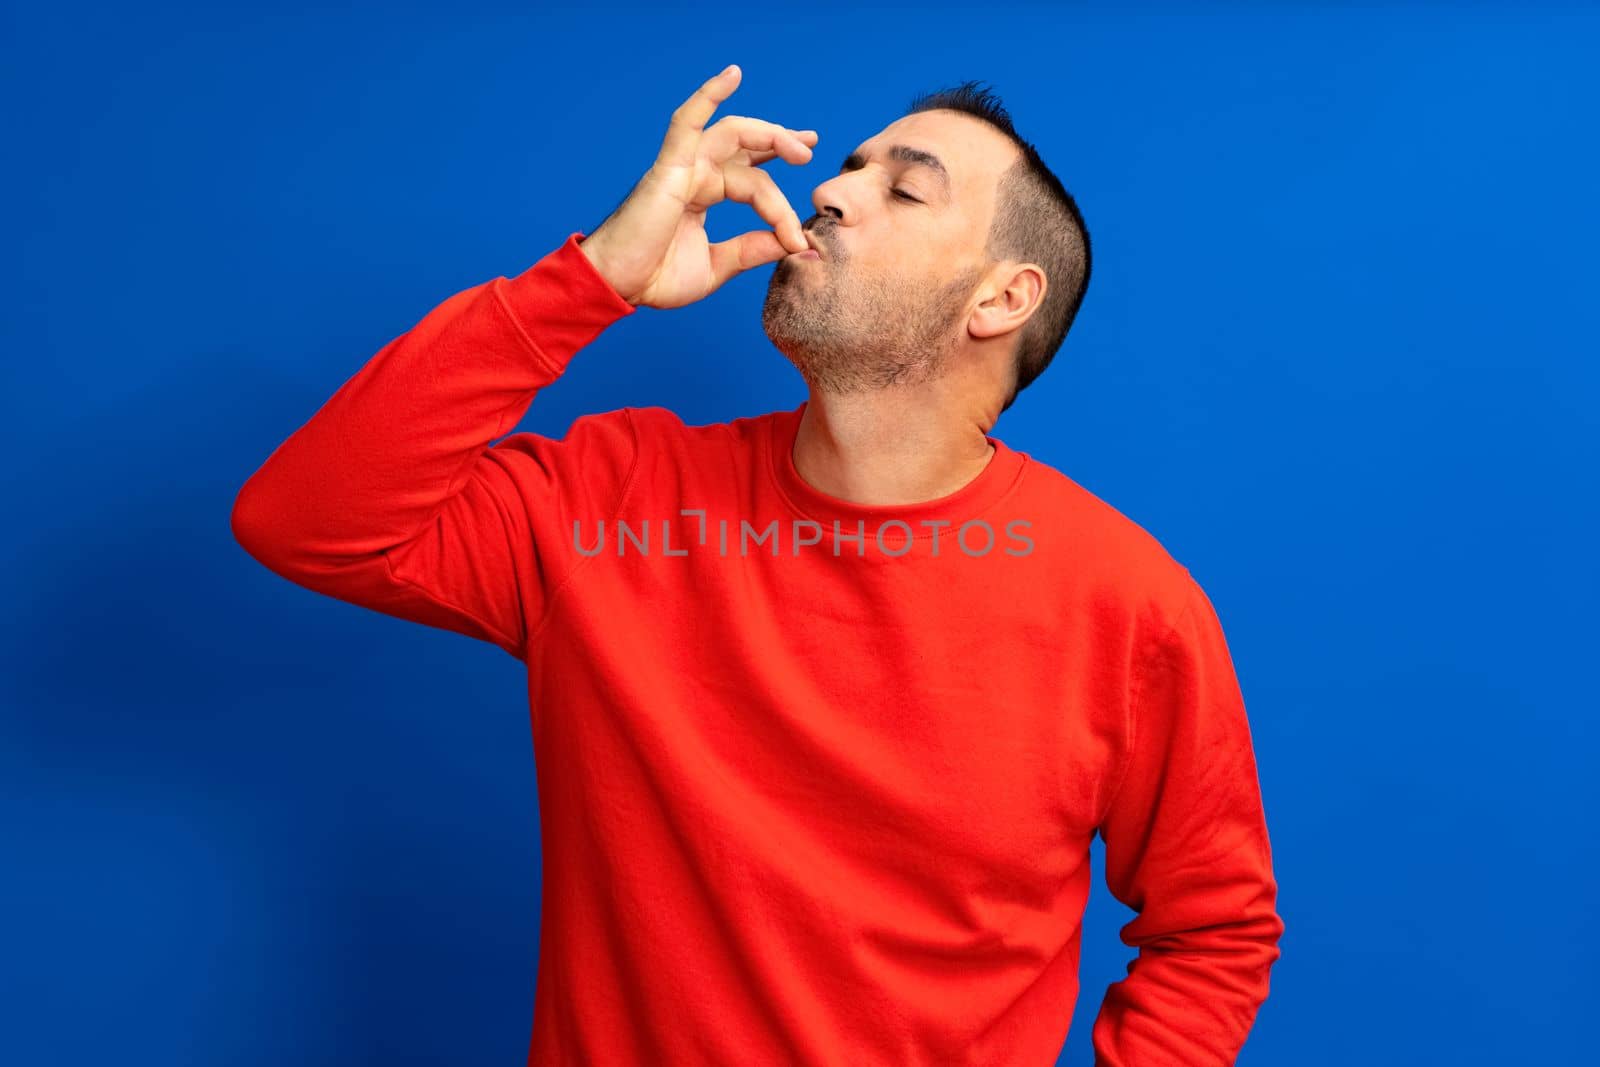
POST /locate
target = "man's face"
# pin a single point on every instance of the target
(902, 252)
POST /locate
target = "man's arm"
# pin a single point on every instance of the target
(1186, 847)
(392, 495)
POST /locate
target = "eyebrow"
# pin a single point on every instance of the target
(905, 154)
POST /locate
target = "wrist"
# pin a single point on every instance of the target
(593, 249)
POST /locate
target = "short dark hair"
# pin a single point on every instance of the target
(1036, 221)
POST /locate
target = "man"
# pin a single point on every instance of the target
(827, 703)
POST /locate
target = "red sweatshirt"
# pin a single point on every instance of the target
(817, 779)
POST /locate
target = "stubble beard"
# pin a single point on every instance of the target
(852, 335)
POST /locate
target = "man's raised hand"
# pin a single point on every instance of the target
(653, 249)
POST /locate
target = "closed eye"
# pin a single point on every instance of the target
(904, 196)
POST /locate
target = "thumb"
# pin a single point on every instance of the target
(745, 252)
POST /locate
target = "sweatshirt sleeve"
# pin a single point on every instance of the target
(392, 495)
(1186, 847)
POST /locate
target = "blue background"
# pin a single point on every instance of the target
(1338, 356)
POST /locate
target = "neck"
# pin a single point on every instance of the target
(890, 446)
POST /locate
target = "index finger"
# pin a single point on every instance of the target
(689, 120)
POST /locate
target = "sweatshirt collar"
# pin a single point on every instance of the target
(997, 478)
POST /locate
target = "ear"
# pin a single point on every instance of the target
(1021, 290)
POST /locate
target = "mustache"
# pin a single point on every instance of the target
(821, 231)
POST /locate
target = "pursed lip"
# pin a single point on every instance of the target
(816, 246)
